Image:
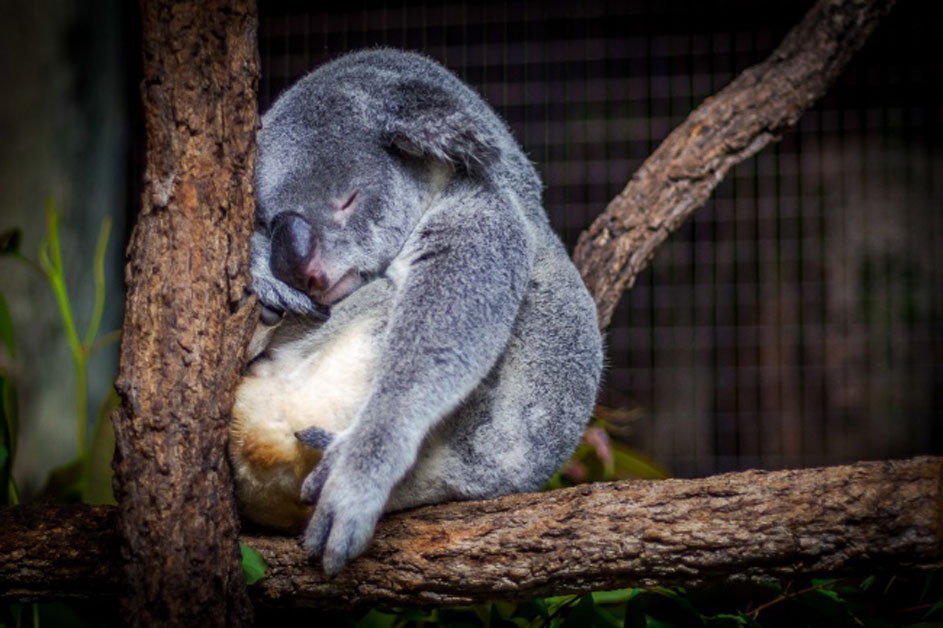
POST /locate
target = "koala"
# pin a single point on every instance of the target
(460, 356)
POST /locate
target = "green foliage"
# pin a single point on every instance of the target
(600, 458)
(871, 602)
(50, 262)
(6, 328)
(88, 476)
(253, 565)
(102, 449)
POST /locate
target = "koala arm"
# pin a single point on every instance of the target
(462, 277)
(273, 293)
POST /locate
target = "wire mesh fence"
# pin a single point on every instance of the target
(796, 319)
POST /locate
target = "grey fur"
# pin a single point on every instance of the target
(489, 353)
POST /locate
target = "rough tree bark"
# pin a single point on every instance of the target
(875, 516)
(187, 317)
(187, 321)
(724, 130)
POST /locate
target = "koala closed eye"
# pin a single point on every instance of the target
(350, 201)
(461, 357)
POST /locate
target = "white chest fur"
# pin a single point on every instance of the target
(292, 390)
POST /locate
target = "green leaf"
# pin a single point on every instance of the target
(634, 616)
(98, 266)
(536, 612)
(9, 413)
(581, 615)
(826, 605)
(933, 609)
(66, 483)
(57, 614)
(679, 595)
(613, 597)
(10, 241)
(6, 328)
(496, 620)
(632, 464)
(253, 565)
(414, 615)
(657, 623)
(602, 618)
(100, 454)
(376, 619)
(735, 621)
(4, 454)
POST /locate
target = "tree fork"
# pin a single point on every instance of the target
(187, 317)
(868, 517)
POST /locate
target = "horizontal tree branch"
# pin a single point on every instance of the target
(862, 518)
(727, 128)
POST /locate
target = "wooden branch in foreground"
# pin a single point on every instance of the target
(724, 130)
(863, 518)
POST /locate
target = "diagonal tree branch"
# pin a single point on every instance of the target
(751, 525)
(724, 130)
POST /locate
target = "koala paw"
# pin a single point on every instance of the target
(280, 297)
(347, 511)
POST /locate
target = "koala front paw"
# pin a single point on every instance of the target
(347, 511)
(281, 297)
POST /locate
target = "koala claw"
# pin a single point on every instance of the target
(282, 298)
(343, 520)
(270, 316)
(339, 537)
(314, 483)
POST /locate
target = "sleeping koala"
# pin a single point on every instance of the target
(461, 357)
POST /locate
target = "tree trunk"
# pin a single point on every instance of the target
(187, 317)
(724, 130)
(753, 525)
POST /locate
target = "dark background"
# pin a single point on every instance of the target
(795, 320)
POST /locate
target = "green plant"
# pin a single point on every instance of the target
(601, 458)
(87, 476)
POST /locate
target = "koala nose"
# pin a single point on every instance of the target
(316, 279)
(294, 245)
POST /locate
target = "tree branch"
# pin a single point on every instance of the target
(752, 525)
(724, 130)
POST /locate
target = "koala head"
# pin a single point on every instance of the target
(348, 160)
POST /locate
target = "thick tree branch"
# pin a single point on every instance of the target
(727, 128)
(187, 317)
(863, 518)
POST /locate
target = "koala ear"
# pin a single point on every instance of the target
(427, 121)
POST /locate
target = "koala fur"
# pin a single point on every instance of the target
(461, 358)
